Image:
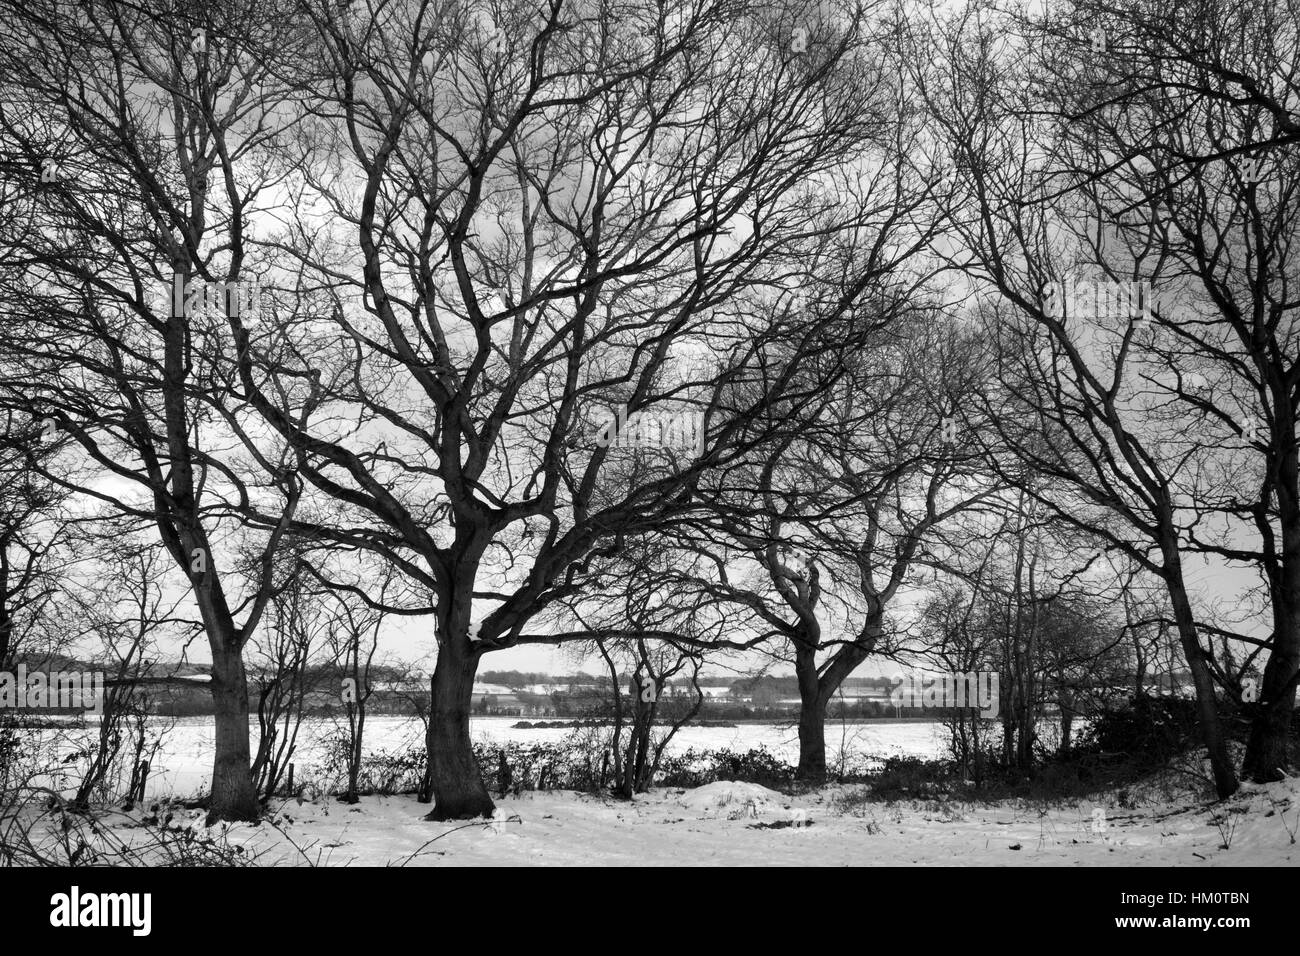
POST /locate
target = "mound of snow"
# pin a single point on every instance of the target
(729, 796)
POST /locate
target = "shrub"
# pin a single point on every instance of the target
(384, 772)
(1150, 730)
(575, 762)
(914, 777)
(694, 768)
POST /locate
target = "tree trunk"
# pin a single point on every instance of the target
(6, 619)
(816, 690)
(354, 765)
(812, 742)
(812, 715)
(1065, 703)
(638, 748)
(636, 775)
(1266, 751)
(1008, 707)
(1267, 756)
(233, 795)
(458, 789)
(1207, 710)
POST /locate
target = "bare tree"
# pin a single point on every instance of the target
(145, 136)
(1208, 206)
(1105, 444)
(558, 217)
(834, 517)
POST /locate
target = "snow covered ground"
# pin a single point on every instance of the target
(744, 824)
(731, 823)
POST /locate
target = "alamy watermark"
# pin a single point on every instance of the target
(241, 298)
(77, 909)
(977, 689)
(59, 690)
(1099, 299)
(644, 429)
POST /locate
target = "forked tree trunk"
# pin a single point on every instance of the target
(637, 755)
(233, 795)
(458, 789)
(816, 690)
(635, 775)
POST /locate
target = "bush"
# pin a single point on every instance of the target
(574, 763)
(913, 777)
(384, 772)
(1149, 730)
(695, 768)
(579, 761)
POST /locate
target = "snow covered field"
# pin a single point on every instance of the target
(744, 824)
(184, 765)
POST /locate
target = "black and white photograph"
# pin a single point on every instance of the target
(650, 433)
